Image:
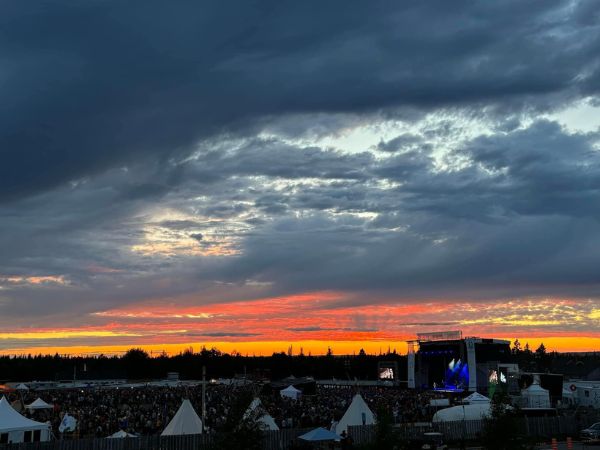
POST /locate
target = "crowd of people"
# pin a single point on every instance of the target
(330, 404)
(101, 412)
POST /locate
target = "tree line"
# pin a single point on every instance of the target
(136, 364)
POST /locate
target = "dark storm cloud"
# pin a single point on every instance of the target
(540, 170)
(317, 328)
(510, 222)
(274, 158)
(94, 85)
(127, 126)
(517, 214)
(399, 142)
(309, 329)
(223, 334)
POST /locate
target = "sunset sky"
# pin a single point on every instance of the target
(318, 174)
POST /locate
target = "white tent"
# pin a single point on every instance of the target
(39, 404)
(474, 411)
(291, 392)
(320, 434)
(185, 421)
(358, 413)
(265, 420)
(121, 434)
(22, 387)
(536, 396)
(267, 423)
(19, 428)
(476, 397)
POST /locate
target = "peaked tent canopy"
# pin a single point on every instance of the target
(22, 387)
(185, 421)
(254, 404)
(474, 411)
(536, 396)
(267, 422)
(320, 434)
(476, 397)
(39, 404)
(264, 419)
(14, 424)
(358, 413)
(291, 392)
(121, 434)
(12, 420)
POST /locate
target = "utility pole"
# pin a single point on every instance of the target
(204, 397)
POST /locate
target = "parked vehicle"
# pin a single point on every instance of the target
(433, 441)
(591, 433)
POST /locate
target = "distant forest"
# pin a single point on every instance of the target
(136, 364)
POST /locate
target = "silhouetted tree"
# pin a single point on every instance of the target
(136, 362)
(516, 347)
(504, 430)
(241, 431)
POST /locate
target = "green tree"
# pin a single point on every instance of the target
(504, 430)
(241, 430)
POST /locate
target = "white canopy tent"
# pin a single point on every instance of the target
(320, 434)
(185, 421)
(22, 387)
(358, 413)
(473, 411)
(476, 397)
(121, 434)
(265, 420)
(39, 404)
(536, 396)
(18, 428)
(290, 392)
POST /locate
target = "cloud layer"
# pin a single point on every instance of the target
(393, 156)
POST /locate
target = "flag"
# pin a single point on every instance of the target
(69, 423)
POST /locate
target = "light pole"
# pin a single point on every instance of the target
(203, 398)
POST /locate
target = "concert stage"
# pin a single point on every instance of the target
(447, 362)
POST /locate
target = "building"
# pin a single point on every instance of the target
(446, 361)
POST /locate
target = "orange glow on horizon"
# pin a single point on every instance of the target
(267, 348)
(313, 321)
